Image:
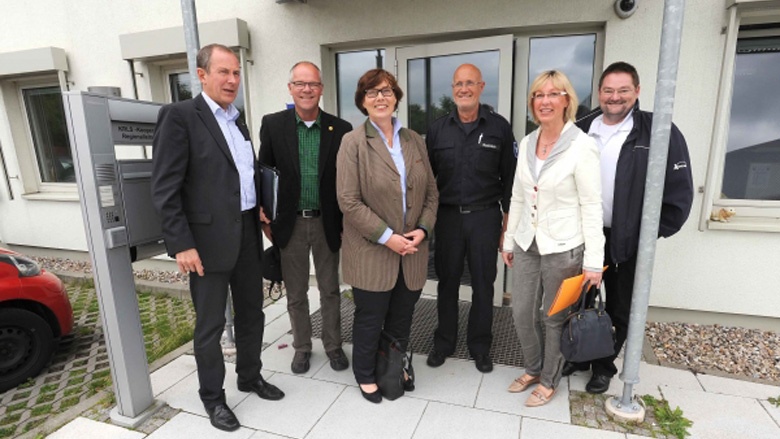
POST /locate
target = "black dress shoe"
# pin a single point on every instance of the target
(300, 362)
(338, 359)
(598, 384)
(263, 389)
(569, 368)
(435, 358)
(375, 396)
(223, 418)
(483, 362)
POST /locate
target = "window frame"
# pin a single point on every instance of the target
(751, 215)
(26, 146)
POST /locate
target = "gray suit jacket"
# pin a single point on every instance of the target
(369, 194)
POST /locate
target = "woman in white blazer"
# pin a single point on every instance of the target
(555, 227)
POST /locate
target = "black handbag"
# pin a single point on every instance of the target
(272, 269)
(588, 333)
(391, 363)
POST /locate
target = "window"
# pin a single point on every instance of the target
(743, 183)
(46, 118)
(350, 66)
(574, 55)
(180, 89)
(752, 163)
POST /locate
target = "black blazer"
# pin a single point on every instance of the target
(279, 148)
(195, 184)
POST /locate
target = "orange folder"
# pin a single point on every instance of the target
(568, 294)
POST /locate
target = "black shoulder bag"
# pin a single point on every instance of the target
(391, 363)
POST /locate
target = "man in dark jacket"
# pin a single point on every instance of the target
(622, 132)
(302, 143)
(204, 187)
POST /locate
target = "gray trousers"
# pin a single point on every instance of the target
(309, 236)
(536, 279)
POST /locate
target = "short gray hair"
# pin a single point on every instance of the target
(319, 72)
(204, 55)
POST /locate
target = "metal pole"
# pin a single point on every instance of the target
(192, 41)
(671, 35)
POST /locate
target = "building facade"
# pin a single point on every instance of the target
(727, 99)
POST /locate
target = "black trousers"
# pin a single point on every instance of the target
(209, 296)
(473, 236)
(619, 288)
(374, 311)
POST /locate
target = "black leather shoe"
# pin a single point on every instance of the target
(222, 417)
(300, 362)
(598, 384)
(263, 389)
(409, 385)
(435, 358)
(570, 368)
(338, 359)
(483, 362)
(375, 396)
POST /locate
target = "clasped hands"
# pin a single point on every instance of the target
(407, 243)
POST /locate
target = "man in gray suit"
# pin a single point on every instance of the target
(205, 186)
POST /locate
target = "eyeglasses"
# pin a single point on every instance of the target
(467, 84)
(300, 85)
(623, 92)
(553, 96)
(373, 93)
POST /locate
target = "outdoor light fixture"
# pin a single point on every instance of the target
(625, 8)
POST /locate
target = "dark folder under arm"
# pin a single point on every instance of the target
(270, 180)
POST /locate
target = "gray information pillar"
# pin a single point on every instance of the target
(121, 226)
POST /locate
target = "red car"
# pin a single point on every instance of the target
(34, 313)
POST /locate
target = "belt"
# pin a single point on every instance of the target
(309, 213)
(248, 212)
(468, 208)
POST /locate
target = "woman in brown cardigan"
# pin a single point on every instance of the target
(387, 192)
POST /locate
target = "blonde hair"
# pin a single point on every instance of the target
(561, 82)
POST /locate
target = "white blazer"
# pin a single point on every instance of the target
(562, 208)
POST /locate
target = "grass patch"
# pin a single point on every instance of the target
(671, 422)
(75, 381)
(97, 385)
(101, 374)
(775, 401)
(7, 431)
(16, 407)
(69, 402)
(45, 397)
(72, 391)
(27, 384)
(10, 419)
(32, 424)
(21, 395)
(40, 410)
(179, 336)
(48, 388)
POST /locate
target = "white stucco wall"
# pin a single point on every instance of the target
(721, 271)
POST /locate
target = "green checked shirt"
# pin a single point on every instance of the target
(309, 153)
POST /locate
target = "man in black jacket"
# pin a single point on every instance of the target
(622, 131)
(205, 186)
(302, 143)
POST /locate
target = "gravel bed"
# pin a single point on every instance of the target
(749, 353)
(60, 265)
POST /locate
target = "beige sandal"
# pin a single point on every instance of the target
(538, 398)
(522, 383)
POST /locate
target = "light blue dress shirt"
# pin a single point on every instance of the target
(398, 158)
(241, 150)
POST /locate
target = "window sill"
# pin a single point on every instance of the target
(52, 196)
(747, 224)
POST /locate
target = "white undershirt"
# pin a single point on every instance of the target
(539, 164)
(610, 139)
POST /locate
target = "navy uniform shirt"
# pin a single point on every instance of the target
(474, 164)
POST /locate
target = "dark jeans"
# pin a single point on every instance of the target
(209, 296)
(619, 288)
(374, 311)
(473, 236)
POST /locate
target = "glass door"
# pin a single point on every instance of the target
(425, 74)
